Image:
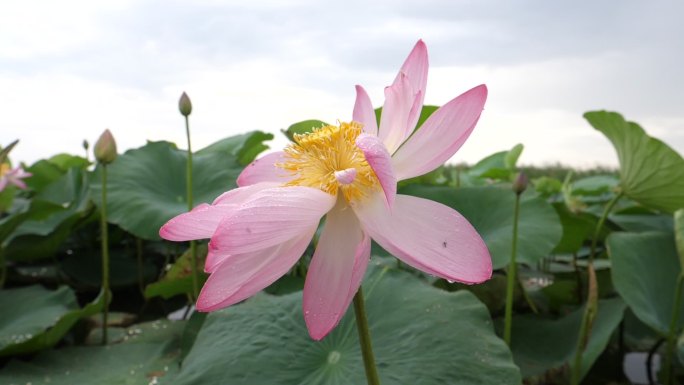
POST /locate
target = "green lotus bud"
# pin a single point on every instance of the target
(105, 148)
(184, 105)
(520, 183)
(86, 145)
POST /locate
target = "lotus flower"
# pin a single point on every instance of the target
(13, 176)
(347, 173)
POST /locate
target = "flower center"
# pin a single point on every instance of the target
(328, 159)
(4, 169)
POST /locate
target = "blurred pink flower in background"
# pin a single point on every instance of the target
(347, 173)
(12, 176)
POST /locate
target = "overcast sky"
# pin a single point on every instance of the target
(70, 69)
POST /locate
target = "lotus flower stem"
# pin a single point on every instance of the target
(511, 276)
(590, 311)
(139, 258)
(668, 378)
(193, 244)
(105, 254)
(365, 339)
(3, 270)
(599, 225)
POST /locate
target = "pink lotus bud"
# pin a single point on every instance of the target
(184, 105)
(105, 148)
(520, 183)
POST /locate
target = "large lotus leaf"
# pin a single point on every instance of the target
(490, 210)
(7, 197)
(244, 147)
(638, 219)
(146, 186)
(148, 355)
(500, 165)
(420, 334)
(651, 172)
(178, 279)
(645, 270)
(303, 127)
(53, 213)
(43, 173)
(22, 210)
(576, 228)
(34, 318)
(594, 185)
(67, 161)
(540, 345)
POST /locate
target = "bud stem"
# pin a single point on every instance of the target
(511, 273)
(585, 326)
(105, 254)
(193, 244)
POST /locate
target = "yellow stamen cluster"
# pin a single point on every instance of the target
(315, 157)
(4, 169)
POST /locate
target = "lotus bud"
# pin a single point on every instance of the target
(105, 148)
(520, 183)
(86, 145)
(184, 105)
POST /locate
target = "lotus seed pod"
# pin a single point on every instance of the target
(105, 148)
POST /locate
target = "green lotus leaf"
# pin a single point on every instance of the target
(147, 186)
(490, 210)
(148, 355)
(35, 318)
(421, 335)
(303, 127)
(540, 345)
(500, 165)
(651, 172)
(645, 270)
(50, 218)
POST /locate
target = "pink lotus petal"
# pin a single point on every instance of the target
(202, 221)
(215, 257)
(394, 120)
(199, 223)
(242, 194)
(335, 272)
(264, 170)
(428, 236)
(416, 70)
(241, 276)
(270, 217)
(364, 112)
(442, 134)
(414, 114)
(14, 176)
(380, 161)
(19, 183)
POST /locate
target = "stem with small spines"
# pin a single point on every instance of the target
(584, 326)
(193, 244)
(105, 254)
(511, 276)
(365, 339)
